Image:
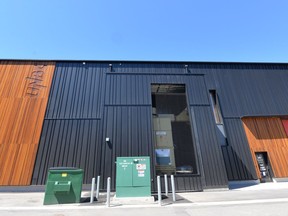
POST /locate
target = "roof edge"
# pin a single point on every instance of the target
(146, 61)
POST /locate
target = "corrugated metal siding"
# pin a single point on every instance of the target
(152, 68)
(250, 92)
(69, 143)
(179, 67)
(237, 156)
(129, 129)
(246, 90)
(124, 115)
(117, 104)
(213, 165)
(127, 90)
(186, 183)
(77, 91)
(136, 89)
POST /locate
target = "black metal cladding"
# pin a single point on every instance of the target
(212, 159)
(237, 156)
(250, 92)
(124, 89)
(68, 143)
(129, 131)
(77, 91)
(88, 102)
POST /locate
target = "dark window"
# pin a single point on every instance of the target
(174, 148)
(215, 107)
(218, 118)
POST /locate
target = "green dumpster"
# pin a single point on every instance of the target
(64, 185)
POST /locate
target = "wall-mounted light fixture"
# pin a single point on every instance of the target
(108, 142)
(186, 69)
(110, 67)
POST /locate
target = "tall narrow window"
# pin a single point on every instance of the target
(174, 148)
(218, 118)
(216, 107)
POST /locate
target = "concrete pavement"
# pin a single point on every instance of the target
(268, 197)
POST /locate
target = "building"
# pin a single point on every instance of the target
(207, 123)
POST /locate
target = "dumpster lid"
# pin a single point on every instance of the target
(63, 168)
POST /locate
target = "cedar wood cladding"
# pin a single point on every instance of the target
(90, 102)
(268, 135)
(24, 90)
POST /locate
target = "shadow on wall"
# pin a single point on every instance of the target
(235, 168)
(237, 185)
(265, 128)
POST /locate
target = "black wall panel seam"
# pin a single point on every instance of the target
(157, 74)
(128, 105)
(72, 119)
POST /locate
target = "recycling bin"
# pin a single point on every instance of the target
(64, 185)
(133, 177)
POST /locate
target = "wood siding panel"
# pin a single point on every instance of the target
(268, 135)
(24, 91)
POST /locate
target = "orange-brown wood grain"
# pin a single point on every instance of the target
(24, 91)
(268, 135)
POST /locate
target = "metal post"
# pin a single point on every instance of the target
(108, 192)
(166, 185)
(173, 188)
(159, 190)
(97, 187)
(92, 190)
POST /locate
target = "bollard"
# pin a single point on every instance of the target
(159, 190)
(92, 190)
(173, 188)
(97, 187)
(166, 185)
(108, 192)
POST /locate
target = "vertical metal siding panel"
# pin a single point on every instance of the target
(227, 162)
(214, 168)
(87, 94)
(40, 155)
(247, 92)
(125, 126)
(129, 125)
(197, 92)
(185, 183)
(64, 95)
(77, 150)
(77, 92)
(240, 152)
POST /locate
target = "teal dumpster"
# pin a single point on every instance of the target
(64, 185)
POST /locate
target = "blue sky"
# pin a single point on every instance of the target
(183, 30)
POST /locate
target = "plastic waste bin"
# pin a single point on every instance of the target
(64, 185)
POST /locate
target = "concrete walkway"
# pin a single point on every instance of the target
(261, 193)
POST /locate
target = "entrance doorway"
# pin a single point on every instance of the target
(264, 166)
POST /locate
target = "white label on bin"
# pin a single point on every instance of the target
(161, 133)
(141, 166)
(141, 175)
